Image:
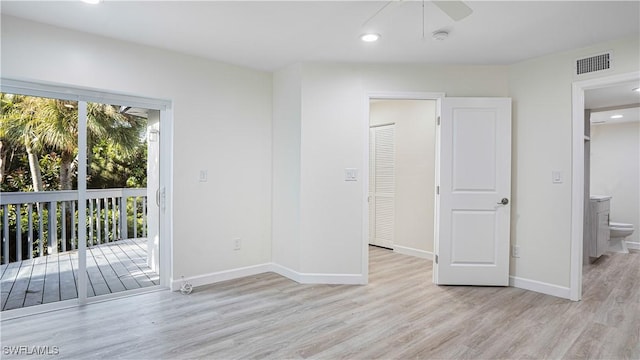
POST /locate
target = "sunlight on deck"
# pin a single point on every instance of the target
(111, 268)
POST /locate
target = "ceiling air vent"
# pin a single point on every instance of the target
(593, 63)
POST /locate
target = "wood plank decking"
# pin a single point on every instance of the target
(112, 267)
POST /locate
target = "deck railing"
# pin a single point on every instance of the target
(35, 224)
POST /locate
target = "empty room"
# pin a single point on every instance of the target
(320, 179)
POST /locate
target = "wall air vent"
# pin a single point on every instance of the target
(593, 63)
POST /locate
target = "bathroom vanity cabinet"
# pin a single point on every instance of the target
(598, 225)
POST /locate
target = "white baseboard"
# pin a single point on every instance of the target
(541, 287)
(633, 245)
(219, 276)
(303, 278)
(314, 278)
(413, 252)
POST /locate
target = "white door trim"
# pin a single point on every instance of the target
(387, 95)
(77, 93)
(82, 199)
(166, 204)
(577, 170)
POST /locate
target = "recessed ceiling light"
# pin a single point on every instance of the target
(617, 116)
(92, 2)
(370, 37)
(636, 89)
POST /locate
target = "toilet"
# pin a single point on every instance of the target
(617, 233)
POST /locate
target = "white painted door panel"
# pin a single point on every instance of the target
(382, 185)
(472, 246)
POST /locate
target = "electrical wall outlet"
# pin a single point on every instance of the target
(515, 251)
(237, 244)
(203, 176)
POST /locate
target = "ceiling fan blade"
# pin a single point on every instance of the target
(384, 8)
(457, 10)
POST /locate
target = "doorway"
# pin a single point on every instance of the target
(472, 192)
(580, 195)
(101, 229)
(402, 172)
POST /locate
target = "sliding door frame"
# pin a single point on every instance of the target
(83, 96)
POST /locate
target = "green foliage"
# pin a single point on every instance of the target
(18, 180)
(19, 177)
(113, 168)
(49, 128)
(50, 167)
(41, 215)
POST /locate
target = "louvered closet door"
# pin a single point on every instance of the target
(381, 185)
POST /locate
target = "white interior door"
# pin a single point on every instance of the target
(472, 245)
(382, 185)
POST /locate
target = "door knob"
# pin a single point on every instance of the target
(504, 201)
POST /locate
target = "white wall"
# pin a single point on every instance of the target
(415, 127)
(542, 133)
(222, 123)
(287, 111)
(615, 170)
(334, 136)
(331, 140)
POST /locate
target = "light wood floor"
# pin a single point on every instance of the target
(399, 315)
(111, 268)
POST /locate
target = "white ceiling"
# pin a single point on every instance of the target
(617, 95)
(628, 115)
(608, 98)
(269, 35)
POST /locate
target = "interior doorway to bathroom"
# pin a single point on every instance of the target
(613, 161)
(595, 102)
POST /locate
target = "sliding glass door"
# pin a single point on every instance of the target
(81, 194)
(121, 187)
(39, 200)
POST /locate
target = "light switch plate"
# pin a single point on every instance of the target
(350, 174)
(556, 177)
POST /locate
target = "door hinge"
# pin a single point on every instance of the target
(436, 258)
(438, 190)
(438, 120)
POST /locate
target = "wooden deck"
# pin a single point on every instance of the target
(111, 268)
